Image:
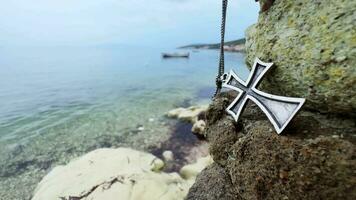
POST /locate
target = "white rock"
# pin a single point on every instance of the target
(190, 172)
(141, 128)
(199, 127)
(188, 114)
(112, 174)
(175, 112)
(168, 155)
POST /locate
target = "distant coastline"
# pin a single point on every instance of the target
(233, 46)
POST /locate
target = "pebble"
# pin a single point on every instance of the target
(168, 155)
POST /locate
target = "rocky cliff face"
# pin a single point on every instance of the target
(312, 44)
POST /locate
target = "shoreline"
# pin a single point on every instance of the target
(185, 146)
(26, 172)
(227, 48)
(231, 46)
(129, 169)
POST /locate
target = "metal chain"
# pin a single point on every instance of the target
(222, 55)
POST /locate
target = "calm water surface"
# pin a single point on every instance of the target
(41, 88)
(58, 103)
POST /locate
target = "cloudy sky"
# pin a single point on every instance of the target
(132, 22)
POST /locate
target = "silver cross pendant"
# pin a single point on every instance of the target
(279, 110)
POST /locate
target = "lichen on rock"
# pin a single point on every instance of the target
(313, 46)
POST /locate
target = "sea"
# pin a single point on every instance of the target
(57, 103)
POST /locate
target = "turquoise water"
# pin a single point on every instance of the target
(58, 103)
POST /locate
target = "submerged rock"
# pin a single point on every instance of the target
(306, 162)
(168, 156)
(115, 174)
(312, 44)
(191, 171)
(193, 115)
(190, 114)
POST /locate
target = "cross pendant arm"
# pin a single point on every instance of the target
(279, 110)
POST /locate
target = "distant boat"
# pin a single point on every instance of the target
(175, 55)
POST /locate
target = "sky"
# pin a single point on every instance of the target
(129, 22)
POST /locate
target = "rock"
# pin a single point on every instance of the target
(112, 174)
(190, 172)
(265, 4)
(190, 114)
(306, 162)
(196, 152)
(312, 44)
(217, 185)
(168, 156)
(199, 127)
